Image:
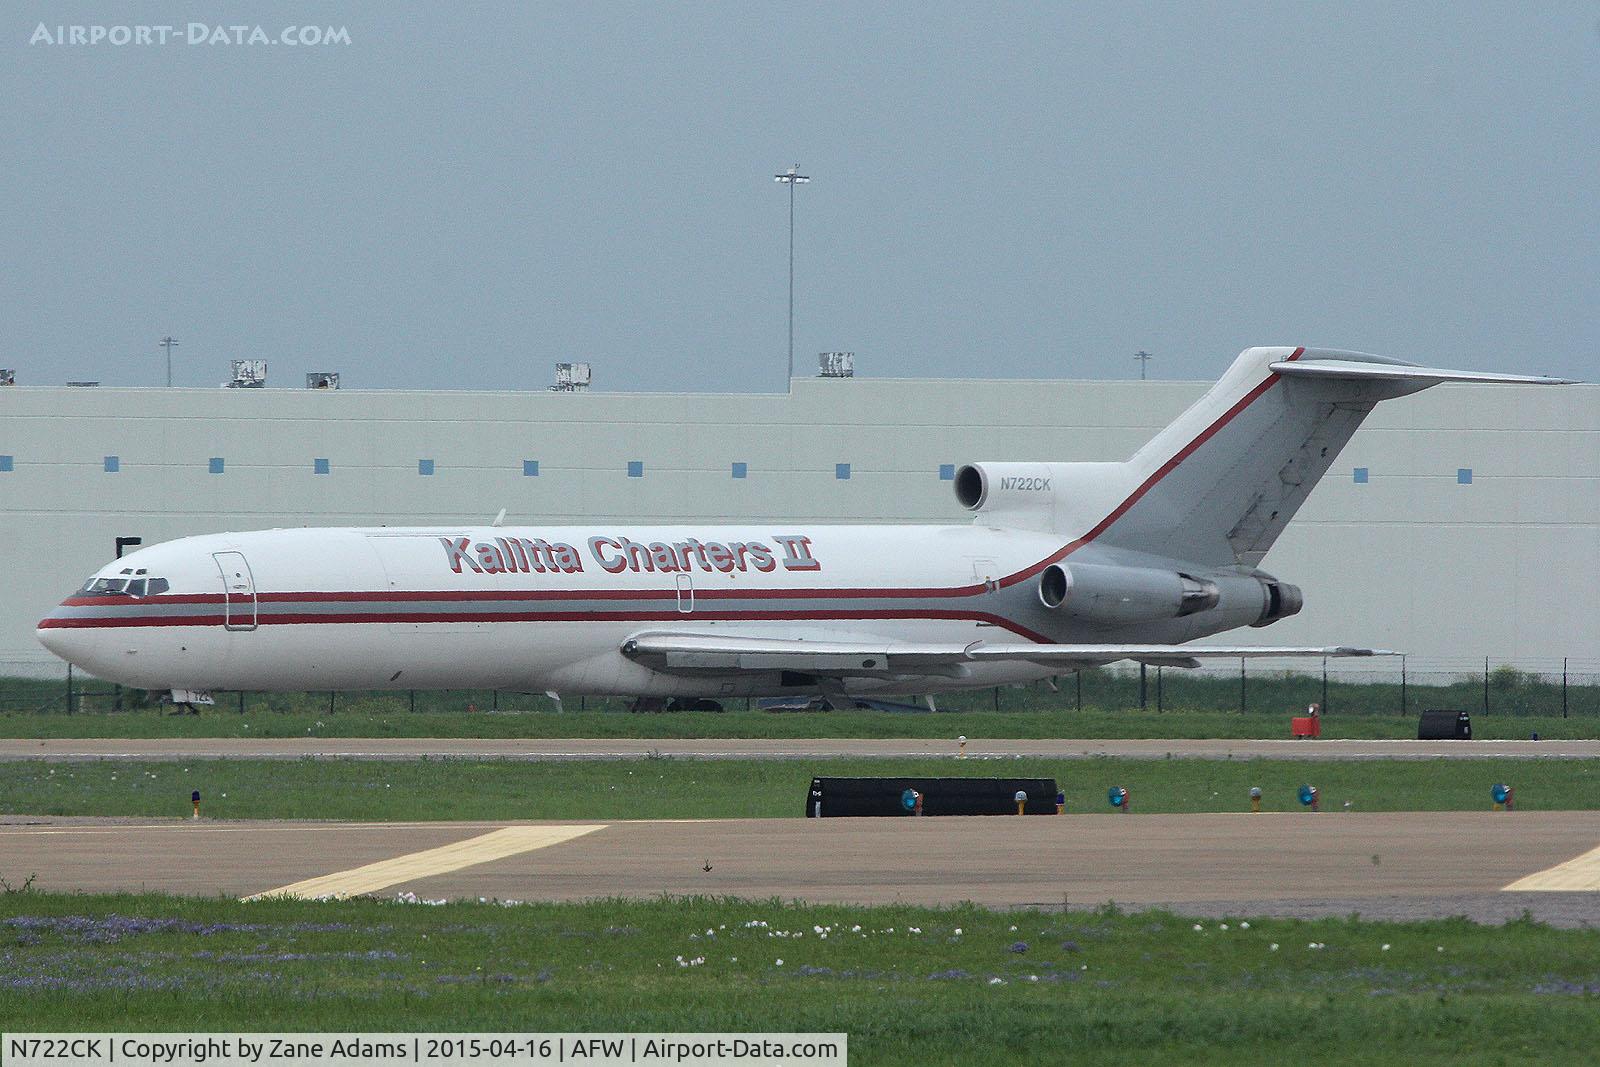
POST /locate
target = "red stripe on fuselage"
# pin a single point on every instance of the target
(265, 619)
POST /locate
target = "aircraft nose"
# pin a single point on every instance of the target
(63, 640)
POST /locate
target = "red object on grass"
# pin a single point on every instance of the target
(1305, 726)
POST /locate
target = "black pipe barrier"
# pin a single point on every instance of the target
(1444, 725)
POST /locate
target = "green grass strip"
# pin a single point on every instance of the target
(663, 788)
(912, 986)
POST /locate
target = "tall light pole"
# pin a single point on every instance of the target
(792, 177)
(1144, 361)
(167, 343)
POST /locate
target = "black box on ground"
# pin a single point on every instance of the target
(1444, 725)
(855, 797)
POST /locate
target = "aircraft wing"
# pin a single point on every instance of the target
(1349, 370)
(715, 653)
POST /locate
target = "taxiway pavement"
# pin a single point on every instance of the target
(1381, 864)
(398, 748)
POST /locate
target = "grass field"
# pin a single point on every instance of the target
(361, 721)
(910, 986)
(706, 789)
(1505, 703)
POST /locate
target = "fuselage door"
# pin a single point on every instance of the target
(238, 591)
(685, 593)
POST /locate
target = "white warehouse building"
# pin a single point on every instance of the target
(1459, 524)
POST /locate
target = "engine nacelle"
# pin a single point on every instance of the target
(1112, 595)
(1058, 497)
(1004, 486)
(1280, 600)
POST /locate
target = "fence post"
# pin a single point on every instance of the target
(241, 702)
(997, 697)
(413, 694)
(1144, 686)
(1078, 674)
(332, 696)
(1160, 707)
(1563, 687)
(1241, 685)
(1324, 709)
(69, 687)
(1486, 685)
(497, 693)
(1402, 686)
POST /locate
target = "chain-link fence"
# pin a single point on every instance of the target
(1399, 686)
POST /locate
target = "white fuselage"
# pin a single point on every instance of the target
(549, 608)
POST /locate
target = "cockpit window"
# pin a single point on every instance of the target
(120, 586)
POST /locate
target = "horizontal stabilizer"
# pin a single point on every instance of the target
(1353, 370)
(734, 655)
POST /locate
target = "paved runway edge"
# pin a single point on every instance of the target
(760, 748)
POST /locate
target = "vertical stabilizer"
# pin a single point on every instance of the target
(1219, 484)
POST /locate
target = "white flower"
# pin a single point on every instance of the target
(997, 981)
(1385, 948)
(856, 929)
(1441, 948)
(1274, 946)
(1198, 928)
(1224, 926)
(780, 963)
(1013, 929)
(1244, 926)
(958, 931)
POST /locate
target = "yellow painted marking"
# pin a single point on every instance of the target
(498, 844)
(1578, 875)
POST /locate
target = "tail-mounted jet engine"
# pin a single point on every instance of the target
(1282, 600)
(1113, 595)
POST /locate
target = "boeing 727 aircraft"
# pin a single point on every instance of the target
(1064, 566)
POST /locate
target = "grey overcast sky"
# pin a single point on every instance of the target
(464, 194)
